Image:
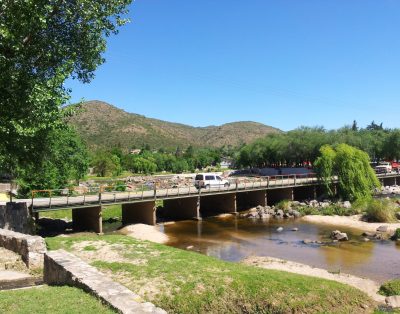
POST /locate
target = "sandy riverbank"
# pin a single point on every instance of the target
(144, 232)
(351, 222)
(368, 286)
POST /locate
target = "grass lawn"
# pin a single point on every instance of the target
(181, 281)
(112, 211)
(55, 300)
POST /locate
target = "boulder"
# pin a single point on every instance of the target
(393, 301)
(383, 228)
(307, 241)
(339, 236)
(295, 229)
(296, 214)
(265, 216)
(398, 215)
(346, 204)
(279, 212)
(324, 204)
(280, 229)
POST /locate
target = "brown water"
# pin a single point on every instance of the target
(232, 239)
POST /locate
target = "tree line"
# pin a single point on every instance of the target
(113, 162)
(301, 145)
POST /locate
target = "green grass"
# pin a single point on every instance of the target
(381, 210)
(112, 211)
(391, 287)
(55, 300)
(188, 282)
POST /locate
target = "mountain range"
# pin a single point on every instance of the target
(102, 125)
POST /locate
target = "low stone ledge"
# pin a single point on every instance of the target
(63, 268)
(31, 248)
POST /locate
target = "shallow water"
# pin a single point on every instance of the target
(233, 239)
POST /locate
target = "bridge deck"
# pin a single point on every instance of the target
(116, 197)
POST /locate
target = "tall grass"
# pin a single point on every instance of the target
(381, 211)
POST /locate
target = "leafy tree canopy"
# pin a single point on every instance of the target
(42, 43)
(351, 166)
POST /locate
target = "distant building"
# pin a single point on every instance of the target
(135, 151)
(226, 163)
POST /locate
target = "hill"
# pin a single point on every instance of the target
(102, 125)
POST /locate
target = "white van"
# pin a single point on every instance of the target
(209, 180)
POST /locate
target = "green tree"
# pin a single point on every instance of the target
(65, 159)
(356, 178)
(324, 166)
(106, 164)
(42, 43)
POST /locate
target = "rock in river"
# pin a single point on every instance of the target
(340, 236)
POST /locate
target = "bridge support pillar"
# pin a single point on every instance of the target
(144, 212)
(182, 208)
(247, 200)
(307, 192)
(87, 219)
(218, 204)
(276, 195)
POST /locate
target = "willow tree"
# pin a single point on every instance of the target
(356, 178)
(42, 43)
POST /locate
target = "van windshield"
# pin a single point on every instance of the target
(209, 177)
(199, 177)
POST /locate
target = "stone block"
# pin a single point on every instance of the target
(63, 268)
(31, 248)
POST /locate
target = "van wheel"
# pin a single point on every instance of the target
(207, 186)
(226, 185)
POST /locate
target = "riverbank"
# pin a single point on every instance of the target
(181, 281)
(368, 286)
(354, 221)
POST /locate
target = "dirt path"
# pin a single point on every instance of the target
(350, 221)
(366, 285)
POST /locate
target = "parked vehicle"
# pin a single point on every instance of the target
(384, 167)
(395, 166)
(209, 180)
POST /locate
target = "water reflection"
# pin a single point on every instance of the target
(231, 238)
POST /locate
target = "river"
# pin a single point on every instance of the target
(232, 238)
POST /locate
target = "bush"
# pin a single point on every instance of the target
(391, 287)
(284, 205)
(396, 235)
(381, 211)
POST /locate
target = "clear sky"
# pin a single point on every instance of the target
(285, 63)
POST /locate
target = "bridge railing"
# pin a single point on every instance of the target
(86, 196)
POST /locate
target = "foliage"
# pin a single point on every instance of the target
(396, 235)
(106, 164)
(296, 147)
(42, 43)
(324, 166)
(356, 178)
(381, 210)
(196, 283)
(64, 159)
(284, 205)
(57, 300)
(391, 287)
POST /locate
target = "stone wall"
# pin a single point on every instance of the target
(63, 268)
(16, 217)
(31, 248)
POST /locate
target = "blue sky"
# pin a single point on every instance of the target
(285, 63)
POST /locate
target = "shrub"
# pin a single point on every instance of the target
(284, 205)
(391, 287)
(381, 211)
(396, 235)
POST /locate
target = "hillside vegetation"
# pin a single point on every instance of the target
(102, 125)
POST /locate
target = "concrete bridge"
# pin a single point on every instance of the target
(139, 206)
